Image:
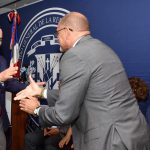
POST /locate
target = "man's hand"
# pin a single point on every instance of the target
(29, 104)
(33, 89)
(8, 73)
(65, 140)
(51, 131)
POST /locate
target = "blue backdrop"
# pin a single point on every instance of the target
(123, 25)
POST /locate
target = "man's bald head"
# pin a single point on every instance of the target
(75, 21)
(72, 27)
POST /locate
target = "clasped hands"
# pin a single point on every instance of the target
(50, 131)
(29, 96)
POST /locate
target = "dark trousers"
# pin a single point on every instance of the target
(8, 134)
(37, 141)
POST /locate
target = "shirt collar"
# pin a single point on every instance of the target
(77, 41)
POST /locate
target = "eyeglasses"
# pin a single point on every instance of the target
(57, 32)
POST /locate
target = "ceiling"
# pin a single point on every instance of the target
(8, 5)
(6, 2)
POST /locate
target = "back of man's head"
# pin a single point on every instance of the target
(75, 21)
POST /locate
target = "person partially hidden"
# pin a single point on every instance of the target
(140, 88)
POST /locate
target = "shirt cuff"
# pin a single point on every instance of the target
(36, 111)
(44, 93)
(53, 126)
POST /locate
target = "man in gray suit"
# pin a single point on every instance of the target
(95, 95)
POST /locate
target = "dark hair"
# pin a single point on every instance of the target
(139, 87)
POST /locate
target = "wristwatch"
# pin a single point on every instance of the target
(36, 111)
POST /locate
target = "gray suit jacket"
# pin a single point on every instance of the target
(95, 96)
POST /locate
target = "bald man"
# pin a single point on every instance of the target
(95, 95)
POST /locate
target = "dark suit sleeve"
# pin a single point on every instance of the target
(74, 79)
(3, 63)
(3, 66)
(14, 86)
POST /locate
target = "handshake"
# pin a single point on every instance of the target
(34, 89)
(28, 98)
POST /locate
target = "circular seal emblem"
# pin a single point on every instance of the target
(39, 48)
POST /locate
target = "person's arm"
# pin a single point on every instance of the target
(52, 97)
(11, 83)
(74, 79)
(75, 76)
(51, 131)
(34, 89)
(65, 140)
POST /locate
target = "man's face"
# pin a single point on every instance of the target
(1, 36)
(62, 37)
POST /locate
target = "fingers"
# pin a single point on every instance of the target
(13, 68)
(10, 77)
(67, 141)
(22, 104)
(61, 144)
(20, 95)
(31, 79)
(11, 71)
(72, 146)
(28, 105)
(23, 96)
(32, 98)
(26, 93)
(45, 132)
(41, 83)
(8, 73)
(21, 92)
